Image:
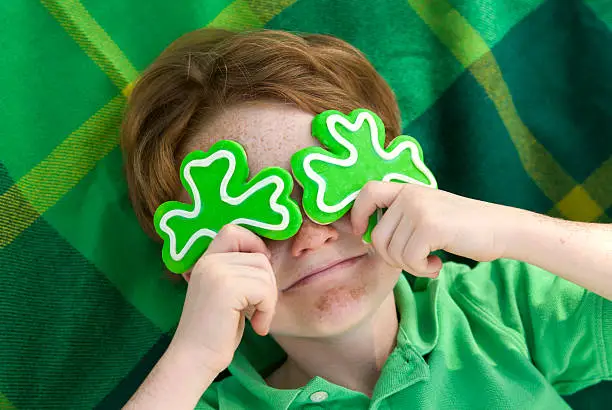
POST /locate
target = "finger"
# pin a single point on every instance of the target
(416, 255)
(263, 301)
(398, 241)
(234, 238)
(262, 321)
(384, 231)
(237, 259)
(254, 297)
(434, 265)
(240, 273)
(374, 195)
(249, 311)
(261, 263)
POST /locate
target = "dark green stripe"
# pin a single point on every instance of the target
(122, 392)
(68, 337)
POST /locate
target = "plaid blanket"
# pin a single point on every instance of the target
(511, 100)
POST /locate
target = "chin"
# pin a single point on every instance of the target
(339, 310)
(328, 312)
(334, 304)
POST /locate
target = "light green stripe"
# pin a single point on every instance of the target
(5, 404)
(93, 40)
(602, 9)
(246, 14)
(236, 16)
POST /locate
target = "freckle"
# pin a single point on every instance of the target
(356, 293)
(562, 241)
(338, 296)
(325, 301)
(323, 304)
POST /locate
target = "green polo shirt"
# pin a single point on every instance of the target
(504, 335)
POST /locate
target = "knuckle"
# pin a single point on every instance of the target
(370, 187)
(228, 230)
(261, 259)
(408, 255)
(213, 267)
(405, 193)
(416, 264)
(204, 262)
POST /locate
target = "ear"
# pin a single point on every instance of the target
(187, 276)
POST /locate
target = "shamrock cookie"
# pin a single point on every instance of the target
(354, 154)
(216, 181)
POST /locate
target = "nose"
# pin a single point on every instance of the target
(312, 236)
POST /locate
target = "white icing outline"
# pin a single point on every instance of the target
(205, 162)
(331, 122)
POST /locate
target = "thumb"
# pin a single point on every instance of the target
(374, 195)
(261, 321)
(234, 238)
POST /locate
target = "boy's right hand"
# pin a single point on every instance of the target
(233, 279)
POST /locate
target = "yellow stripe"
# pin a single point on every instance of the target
(599, 184)
(60, 171)
(472, 51)
(5, 404)
(93, 40)
(246, 14)
(579, 206)
(587, 209)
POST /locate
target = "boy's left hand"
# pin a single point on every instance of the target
(420, 220)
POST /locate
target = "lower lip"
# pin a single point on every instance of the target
(319, 275)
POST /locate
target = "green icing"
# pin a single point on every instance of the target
(353, 154)
(216, 181)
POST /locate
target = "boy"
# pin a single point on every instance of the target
(503, 335)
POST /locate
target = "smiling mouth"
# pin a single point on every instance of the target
(343, 264)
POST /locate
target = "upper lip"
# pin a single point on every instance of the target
(318, 269)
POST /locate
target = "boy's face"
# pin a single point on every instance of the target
(338, 298)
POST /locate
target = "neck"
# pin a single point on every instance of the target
(353, 360)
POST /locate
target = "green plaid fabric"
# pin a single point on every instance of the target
(511, 100)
